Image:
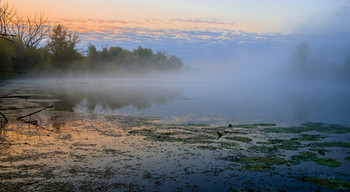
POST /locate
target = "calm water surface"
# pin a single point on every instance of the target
(285, 103)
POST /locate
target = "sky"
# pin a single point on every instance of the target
(189, 28)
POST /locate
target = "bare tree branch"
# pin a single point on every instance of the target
(30, 114)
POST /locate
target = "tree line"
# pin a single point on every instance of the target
(28, 44)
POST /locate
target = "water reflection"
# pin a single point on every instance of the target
(109, 97)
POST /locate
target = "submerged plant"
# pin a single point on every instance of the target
(257, 167)
(331, 144)
(312, 126)
(306, 137)
(304, 157)
(330, 183)
(328, 162)
(267, 160)
(239, 138)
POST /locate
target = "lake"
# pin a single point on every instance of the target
(174, 135)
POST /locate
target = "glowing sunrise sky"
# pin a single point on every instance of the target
(165, 23)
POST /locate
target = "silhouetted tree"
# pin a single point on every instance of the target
(30, 31)
(62, 46)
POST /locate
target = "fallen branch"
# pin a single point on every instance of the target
(30, 114)
(35, 123)
(3, 124)
(5, 71)
(12, 92)
(6, 120)
(15, 96)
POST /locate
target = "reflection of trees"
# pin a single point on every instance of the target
(111, 96)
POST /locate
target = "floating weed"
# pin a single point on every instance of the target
(280, 141)
(328, 162)
(208, 147)
(306, 137)
(347, 158)
(304, 157)
(235, 132)
(286, 147)
(330, 183)
(152, 135)
(264, 149)
(320, 151)
(198, 125)
(144, 132)
(239, 138)
(267, 160)
(307, 127)
(200, 139)
(331, 144)
(250, 126)
(257, 167)
(228, 145)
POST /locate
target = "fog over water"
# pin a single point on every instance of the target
(287, 88)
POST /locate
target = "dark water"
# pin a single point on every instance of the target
(207, 101)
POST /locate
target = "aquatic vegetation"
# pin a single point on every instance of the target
(228, 145)
(144, 132)
(267, 160)
(200, 139)
(156, 136)
(328, 162)
(284, 144)
(304, 157)
(250, 126)
(264, 149)
(235, 132)
(208, 147)
(306, 137)
(347, 158)
(330, 183)
(286, 147)
(307, 127)
(198, 125)
(331, 144)
(239, 138)
(280, 141)
(257, 167)
(320, 151)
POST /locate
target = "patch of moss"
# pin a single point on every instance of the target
(257, 167)
(331, 144)
(311, 126)
(306, 137)
(239, 138)
(264, 149)
(228, 145)
(328, 162)
(267, 160)
(304, 157)
(330, 183)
